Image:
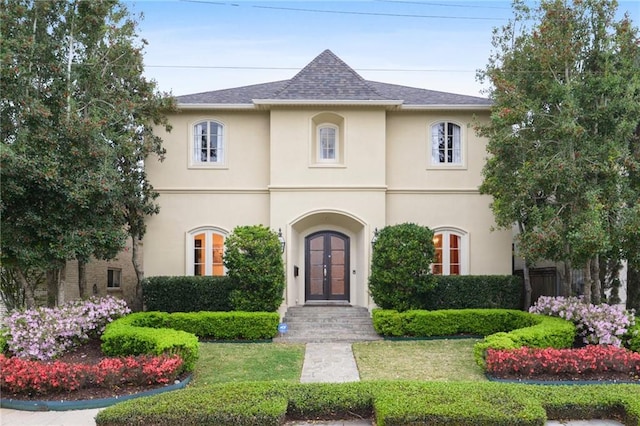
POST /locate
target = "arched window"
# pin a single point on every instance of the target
(446, 144)
(327, 140)
(205, 252)
(208, 143)
(451, 257)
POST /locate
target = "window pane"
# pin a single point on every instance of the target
(218, 251)
(113, 278)
(437, 261)
(327, 136)
(200, 142)
(199, 244)
(454, 254)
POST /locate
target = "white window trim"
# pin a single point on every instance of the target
(464, 248)
(326, 119)
(221, 164)
(336, 147)
(190, 259)
(433, 165)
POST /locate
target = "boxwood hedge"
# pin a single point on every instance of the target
(503, 328)
(389, 403)
(178, 332)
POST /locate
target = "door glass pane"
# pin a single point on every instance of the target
(317, 243)
(337, 243)
(337, 287)
(316, 278)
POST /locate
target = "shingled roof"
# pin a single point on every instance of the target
(325, 79)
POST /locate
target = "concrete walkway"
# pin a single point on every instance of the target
(323, 362)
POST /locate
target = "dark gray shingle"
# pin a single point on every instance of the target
(327, 77)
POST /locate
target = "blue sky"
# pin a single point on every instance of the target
(201, 45)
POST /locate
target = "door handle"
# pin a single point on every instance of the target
(324, 270)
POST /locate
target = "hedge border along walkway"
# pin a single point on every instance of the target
(389, 403)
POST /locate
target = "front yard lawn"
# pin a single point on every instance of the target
(421, 360)
(247, 362)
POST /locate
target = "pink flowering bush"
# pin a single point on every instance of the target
(45, 333)
(530, 362)
(597, 324)
(28, 377)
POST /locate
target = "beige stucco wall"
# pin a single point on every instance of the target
(270, 177)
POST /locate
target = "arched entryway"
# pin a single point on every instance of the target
(327, 265)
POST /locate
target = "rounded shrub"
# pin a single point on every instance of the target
(253, 259)
(401, 266)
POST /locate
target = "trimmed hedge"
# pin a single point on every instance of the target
(178, 332)
(124, 337)
(217, 325)
(475, 292)
(503, 328)
(394, 404)
(187, 294)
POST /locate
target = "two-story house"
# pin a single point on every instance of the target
(326, 157)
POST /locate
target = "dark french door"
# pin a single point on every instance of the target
(327, 266)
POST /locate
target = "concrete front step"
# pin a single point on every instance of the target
(315, 323)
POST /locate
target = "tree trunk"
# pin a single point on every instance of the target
(526, 277)
(596, 296)
(62, 283)
(588, 283)
(52, 287)
(82, 279)
(137, 304)
(29, 296)
(633, 286)
(567, 279)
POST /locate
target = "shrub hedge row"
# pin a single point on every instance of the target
(390, 403)
(187, 294)
(178, 332)
(503, 328)
(474, 292)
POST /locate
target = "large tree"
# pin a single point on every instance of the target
(76, 126)
(566, 98)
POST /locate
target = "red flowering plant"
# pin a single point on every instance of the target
(19, 376)
(530, 362)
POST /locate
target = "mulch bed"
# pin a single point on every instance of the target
(88, 353)
(607, 377)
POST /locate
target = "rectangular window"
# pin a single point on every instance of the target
(446, 145)
(114, 278)
(207, 142)
(327, 143)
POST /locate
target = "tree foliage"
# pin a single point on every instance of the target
(566, 93)
(76, 125)
(253, 258)
(401, 266)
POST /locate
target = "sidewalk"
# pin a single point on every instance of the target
(323, 362)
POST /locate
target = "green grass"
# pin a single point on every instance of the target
(422, 360)
(247, 362)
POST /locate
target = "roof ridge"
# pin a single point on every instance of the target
(308, 70)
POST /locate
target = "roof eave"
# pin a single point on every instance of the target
(357, 102)
(459, 107)
(215, 106)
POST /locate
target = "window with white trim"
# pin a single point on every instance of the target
(205, 252)
(328, 141)
(446, 144)
(208, 143)
(451, 252)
